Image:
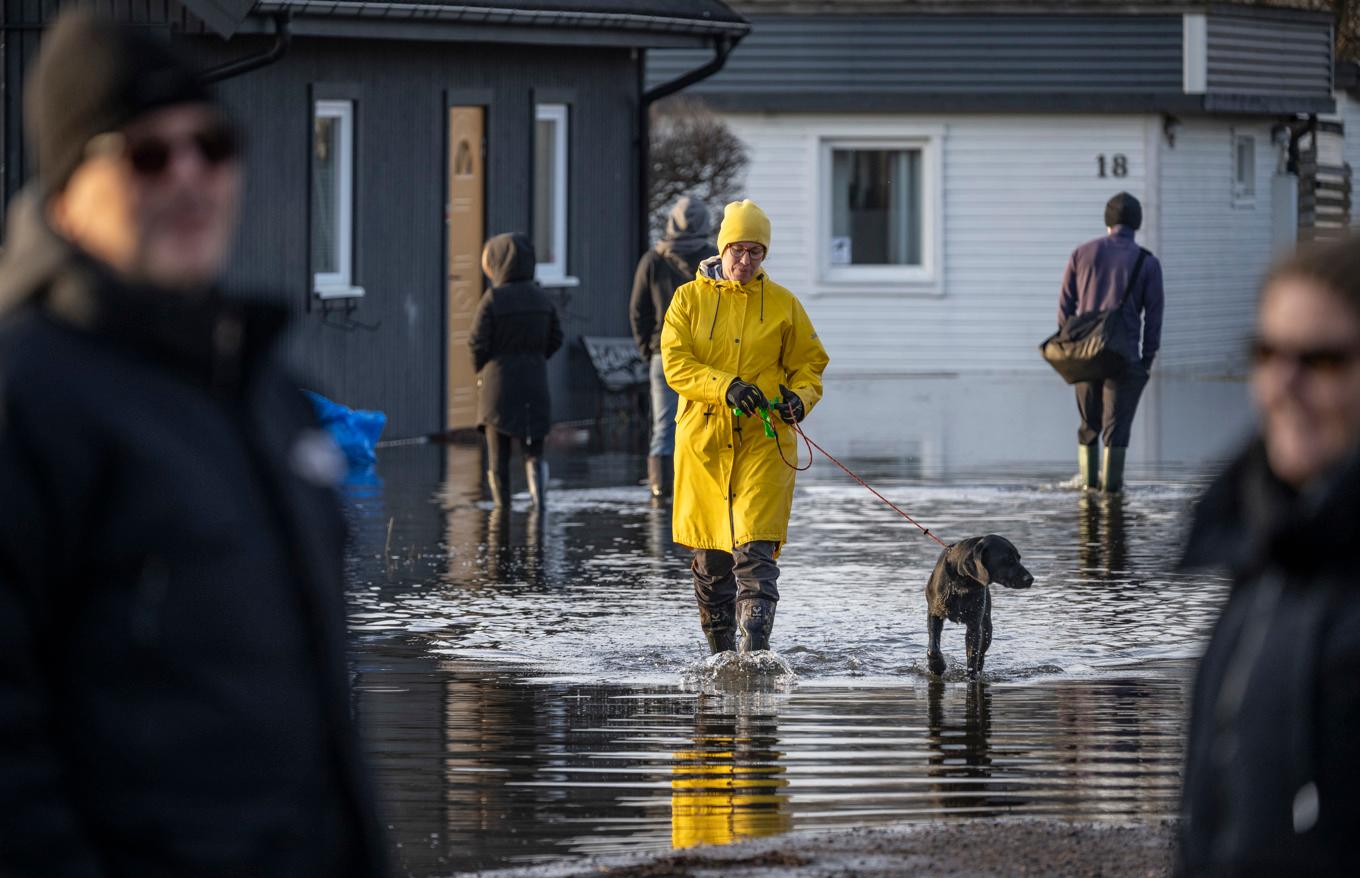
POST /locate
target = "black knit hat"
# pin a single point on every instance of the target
(93, 75)
(1124, 210)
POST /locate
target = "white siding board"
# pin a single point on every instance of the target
(1214, 253)
(1020, 192)
(1348, 111)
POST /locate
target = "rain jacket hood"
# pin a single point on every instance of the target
(731, 485)
(688, 229)
(508, 258)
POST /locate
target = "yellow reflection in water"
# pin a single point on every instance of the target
(729, 786)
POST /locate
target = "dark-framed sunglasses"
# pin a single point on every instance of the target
(1322, 360)
(149, 157)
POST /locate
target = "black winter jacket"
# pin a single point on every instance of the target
(659, 274)
(1272, 780)
(515, 331)
(174, 696)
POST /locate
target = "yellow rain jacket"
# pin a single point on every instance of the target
(731, 487)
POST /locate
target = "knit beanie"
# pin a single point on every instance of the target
(1124, 210)
(93, 75)
(743, 221)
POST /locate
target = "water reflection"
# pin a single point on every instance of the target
(729, 784)
(959, 757)
(1102, 543)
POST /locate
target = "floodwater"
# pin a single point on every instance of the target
(531, 690)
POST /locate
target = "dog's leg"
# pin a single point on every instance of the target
(986, 632)
(972, 642)
(934, 658)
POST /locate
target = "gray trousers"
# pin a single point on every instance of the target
(749, 571)
(1108, 407)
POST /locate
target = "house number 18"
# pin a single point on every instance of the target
(1118, 165)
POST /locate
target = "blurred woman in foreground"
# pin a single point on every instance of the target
(1272, 780)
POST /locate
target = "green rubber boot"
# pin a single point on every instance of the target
(1112, 471)
(1088, 464)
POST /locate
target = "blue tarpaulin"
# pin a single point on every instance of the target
(356, 431)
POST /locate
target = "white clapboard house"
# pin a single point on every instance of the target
(929, 166)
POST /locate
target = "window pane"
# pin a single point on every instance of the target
(325, 194)
(545, 188)
(876, 207)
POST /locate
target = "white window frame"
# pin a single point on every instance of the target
(339, 284)
(555, 273)
(889, 280)
(1243, 196)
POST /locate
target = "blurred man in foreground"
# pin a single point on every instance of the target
(173, 690)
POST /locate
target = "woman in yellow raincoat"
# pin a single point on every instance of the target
(733, 338)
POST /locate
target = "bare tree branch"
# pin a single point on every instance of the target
(692, 152)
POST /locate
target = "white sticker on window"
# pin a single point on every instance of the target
(840, 250)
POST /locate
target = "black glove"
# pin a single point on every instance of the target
(745, 396)
(791, 410)
(1147, 364)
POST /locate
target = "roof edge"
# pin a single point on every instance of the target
(489, 15)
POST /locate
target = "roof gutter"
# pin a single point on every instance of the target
(722, 47)
(283, 37)
(490, 15)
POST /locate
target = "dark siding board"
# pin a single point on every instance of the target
(925, 53)
(400, 123)
(1254, 56)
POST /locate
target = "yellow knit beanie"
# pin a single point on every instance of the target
(743, 221)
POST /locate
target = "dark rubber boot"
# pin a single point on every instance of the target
(500, 491)
(755, 621)
(1088, 464)
(1112, 472)
(656, 477)
(537, 473)
(720, 627)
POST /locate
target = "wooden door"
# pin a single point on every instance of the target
(466, 222)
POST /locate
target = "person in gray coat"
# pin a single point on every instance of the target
(515, 331)
(669, 265)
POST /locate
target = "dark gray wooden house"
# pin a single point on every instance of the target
(387, 140)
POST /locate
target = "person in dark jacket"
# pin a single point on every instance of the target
(515, 331)
(174, 695)
(672, 263)
(1096, 279)
(1272, 776)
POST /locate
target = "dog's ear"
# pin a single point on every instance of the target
(974, 562)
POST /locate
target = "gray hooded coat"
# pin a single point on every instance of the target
(666, 268)
(514, 333)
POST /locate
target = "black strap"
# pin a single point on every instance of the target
(1133, 278)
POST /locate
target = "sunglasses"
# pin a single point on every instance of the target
(149, 157)
(753, 253)
(1320, 360)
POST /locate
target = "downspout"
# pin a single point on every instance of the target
(722, 47)
(283, 37)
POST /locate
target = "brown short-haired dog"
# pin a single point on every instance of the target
(958, 591)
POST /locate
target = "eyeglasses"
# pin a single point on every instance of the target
(149, 157)
(1321, 360)
(755, 254)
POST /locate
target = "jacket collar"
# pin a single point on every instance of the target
(1249, 520)
(711, 271)
(213, 340)
(1123, 232)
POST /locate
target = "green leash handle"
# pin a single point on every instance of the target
(764, 415)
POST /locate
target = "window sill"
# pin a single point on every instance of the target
(338, 292)
(1244, 203)
(558, 281)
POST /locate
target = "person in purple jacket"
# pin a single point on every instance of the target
(1095, 280)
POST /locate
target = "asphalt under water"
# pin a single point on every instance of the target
(527, 687)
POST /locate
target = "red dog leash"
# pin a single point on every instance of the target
(851, 473)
